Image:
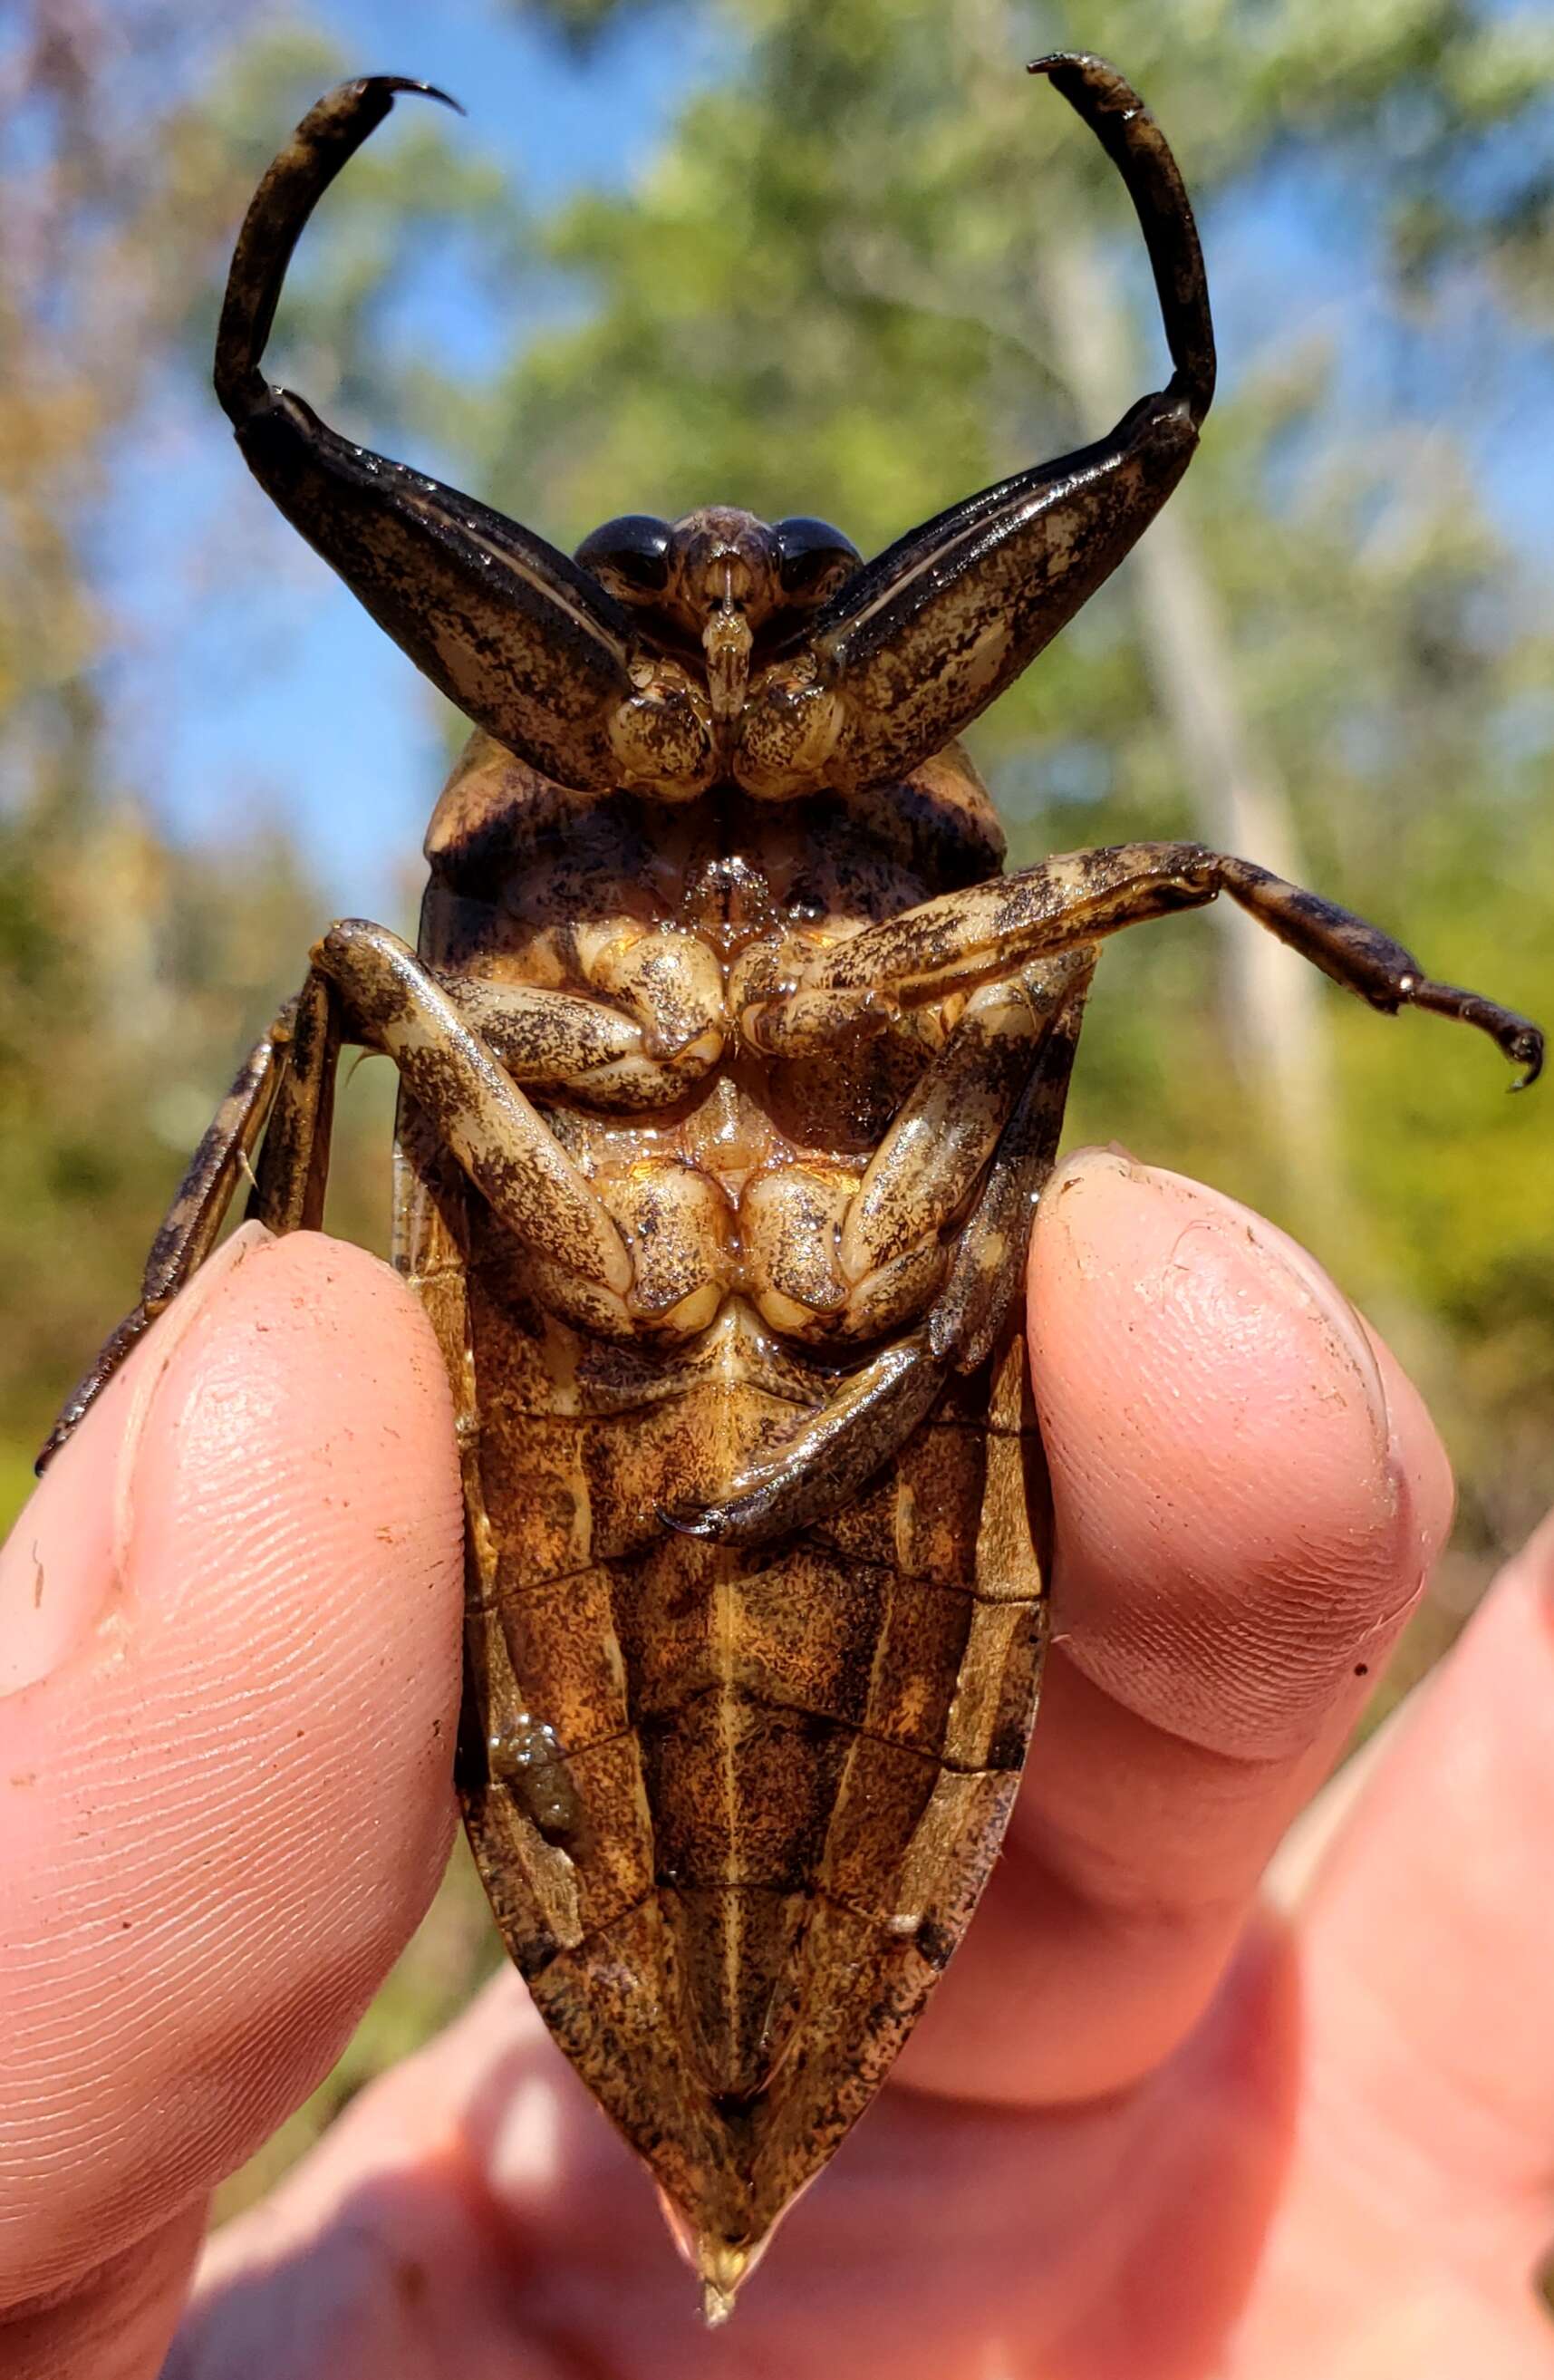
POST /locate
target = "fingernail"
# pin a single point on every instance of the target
(1329, 1306)
(63, 1566)
(1085, 1163)
(1095, 1156)
(1088, 1164)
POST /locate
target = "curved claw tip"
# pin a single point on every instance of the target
(1528, 1053)
(393, 83)
(685, 1524)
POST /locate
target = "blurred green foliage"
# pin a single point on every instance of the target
(838, 290)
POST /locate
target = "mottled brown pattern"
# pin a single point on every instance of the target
(773, 1749)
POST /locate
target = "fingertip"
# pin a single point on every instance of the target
(1247, 1493)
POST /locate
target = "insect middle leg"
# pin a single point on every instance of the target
(366, 986)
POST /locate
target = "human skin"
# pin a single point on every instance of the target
(1170, 2116)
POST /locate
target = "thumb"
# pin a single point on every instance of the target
(230, 1626)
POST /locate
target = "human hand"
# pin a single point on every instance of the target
(1156, 2123)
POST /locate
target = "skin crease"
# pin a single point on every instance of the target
(1160, 2122)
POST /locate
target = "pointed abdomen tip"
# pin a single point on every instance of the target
(719, 2264)
(722, 2268)
(716, 2306)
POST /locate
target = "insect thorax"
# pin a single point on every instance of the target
(725, 1168)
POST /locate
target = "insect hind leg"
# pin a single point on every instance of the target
(285, 1082)
(971, 937)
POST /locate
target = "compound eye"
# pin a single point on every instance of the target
(814, 559)
(630, 557)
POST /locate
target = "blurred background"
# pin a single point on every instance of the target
(844, 261)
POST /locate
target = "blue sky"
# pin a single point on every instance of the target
(245, 699)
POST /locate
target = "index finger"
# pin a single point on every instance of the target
(1249, 1496)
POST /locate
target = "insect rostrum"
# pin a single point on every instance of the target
(731, 1071)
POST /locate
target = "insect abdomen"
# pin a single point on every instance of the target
(788, 1767)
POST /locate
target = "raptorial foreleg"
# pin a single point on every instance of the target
(527, 645)
(917, 644)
